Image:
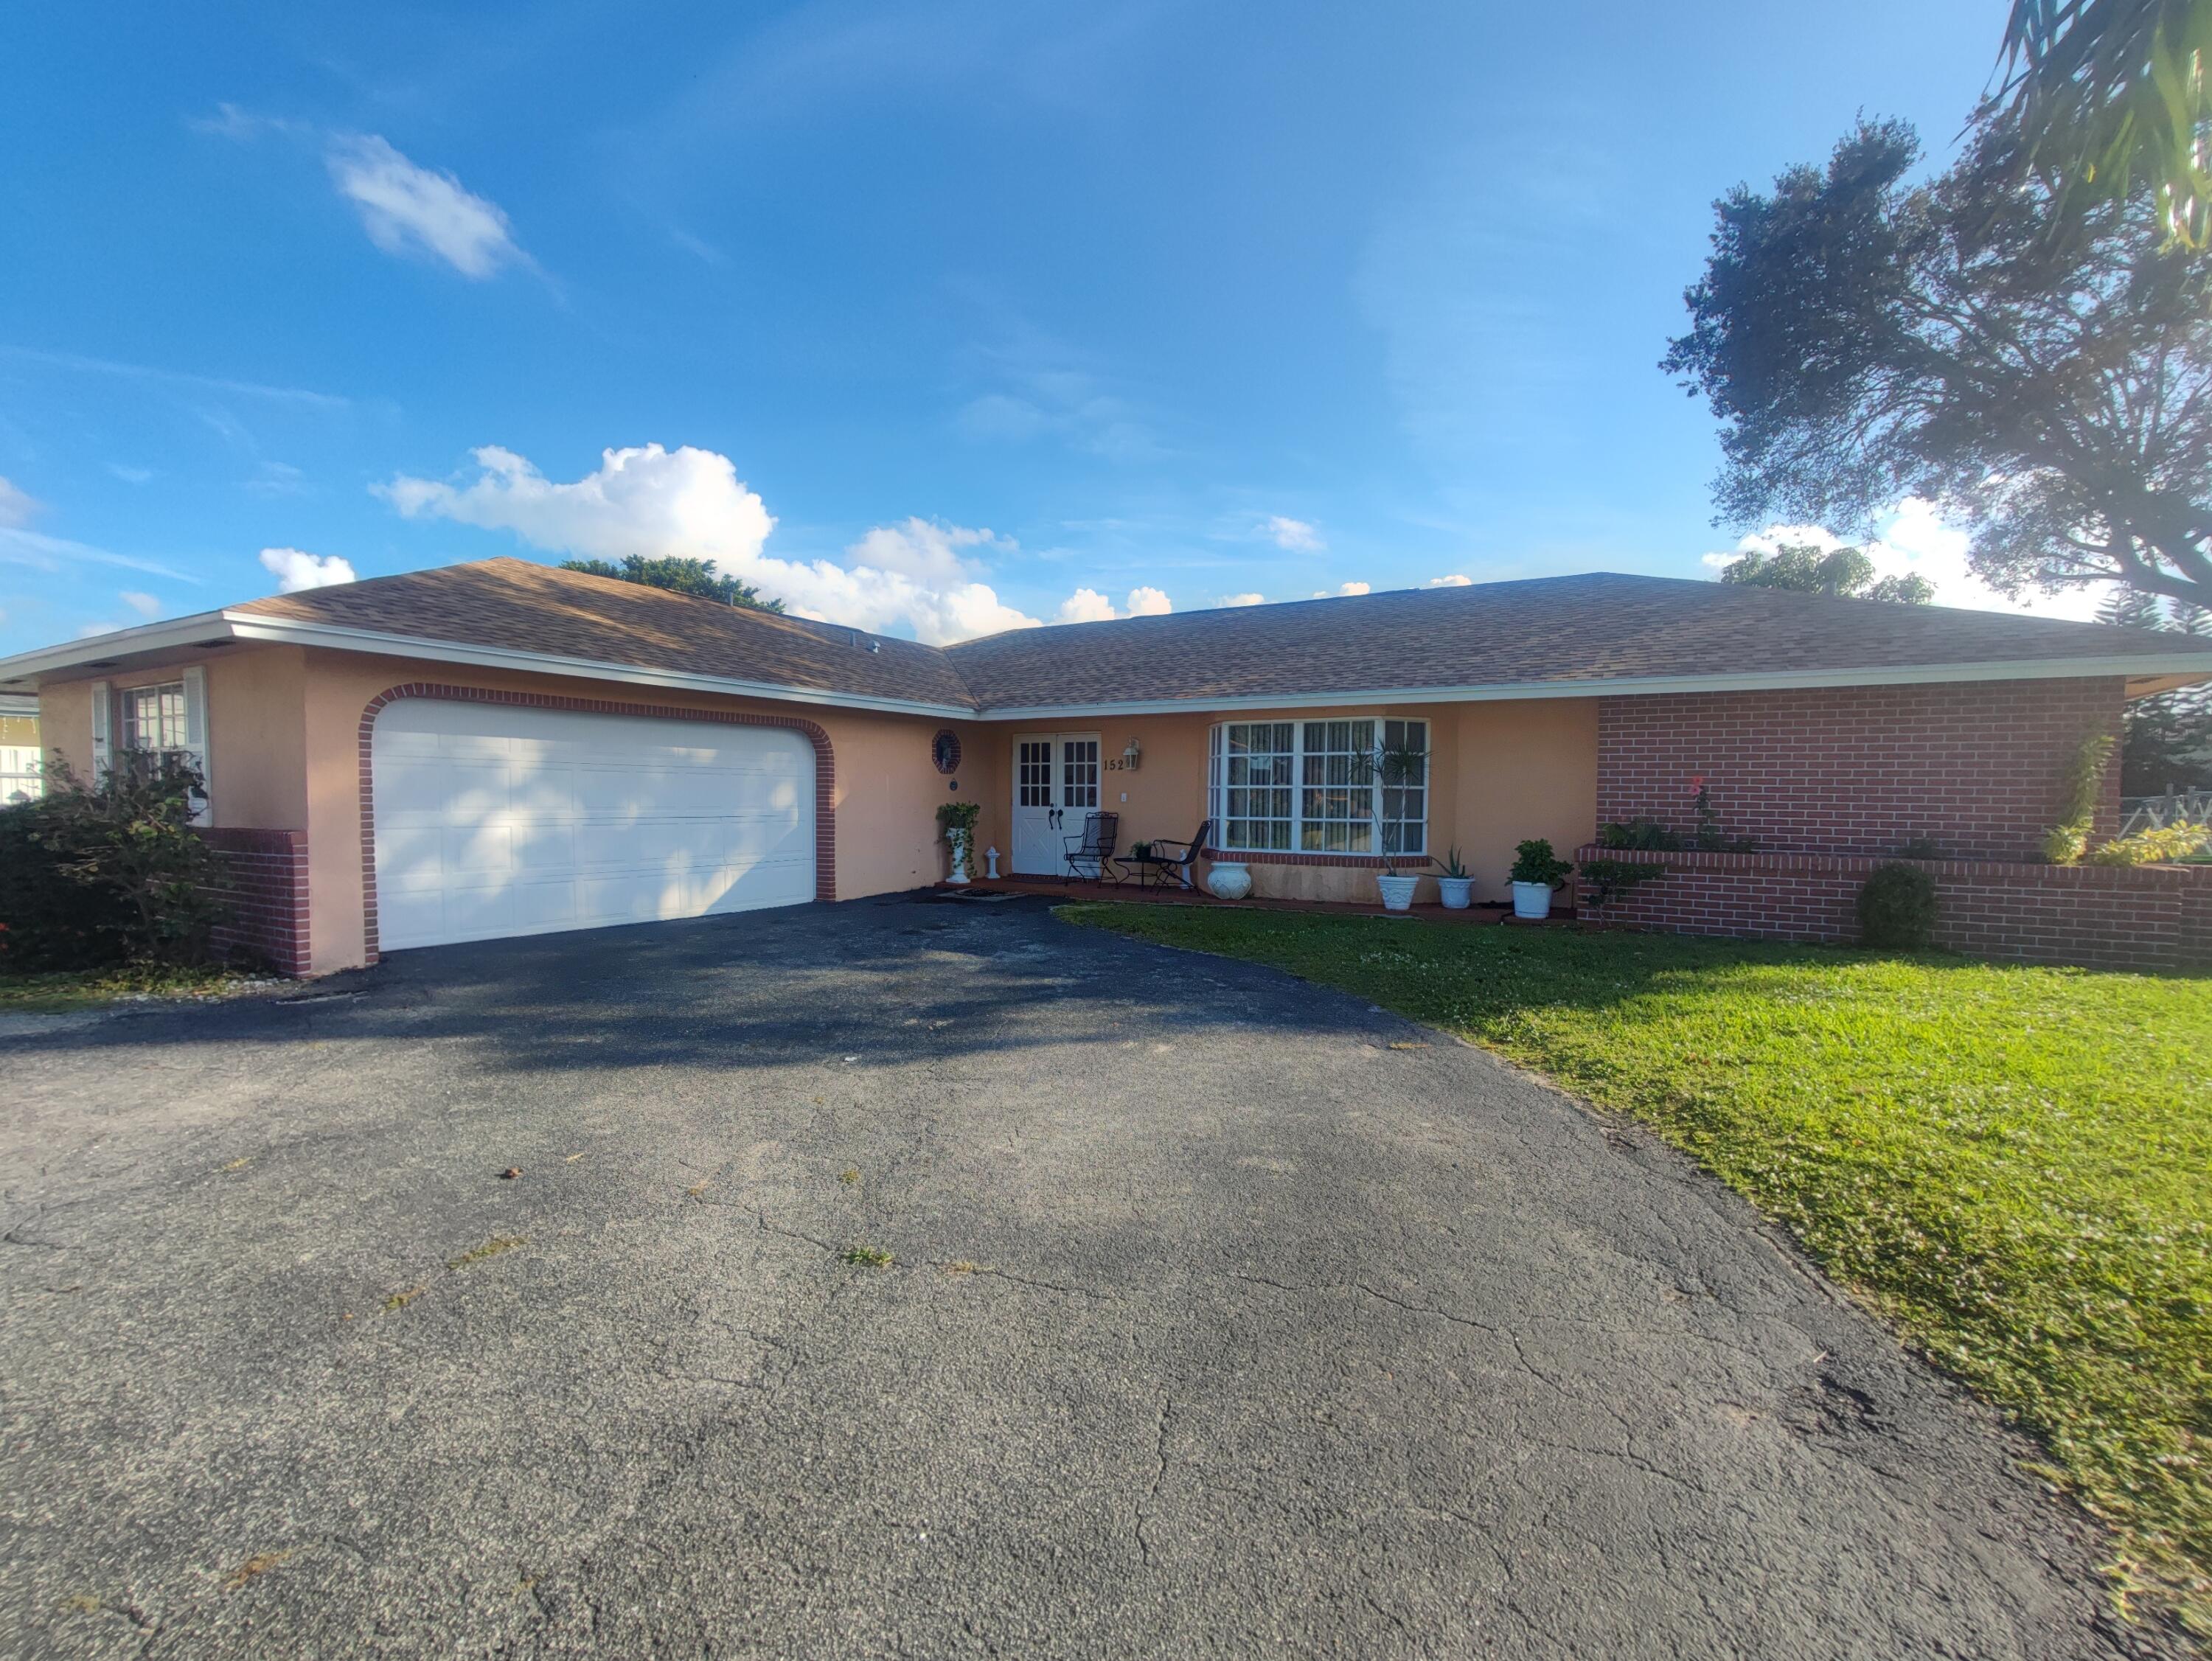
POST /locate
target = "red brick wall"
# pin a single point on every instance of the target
(268, 897)
(1979, 766)
(2147, 918)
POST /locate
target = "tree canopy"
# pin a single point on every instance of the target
(678, 575)
(1862, 338)
(2166, 741)
(2110, 98)
(1845, 573)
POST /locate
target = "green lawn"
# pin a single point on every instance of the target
(2013, 1164)
(59, 994)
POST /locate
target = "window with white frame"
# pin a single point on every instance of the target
(1352, 777)
(150, 720)
(1254, 804)
(138, 726)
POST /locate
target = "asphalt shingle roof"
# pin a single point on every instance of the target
(1548, 631)
(527, 607)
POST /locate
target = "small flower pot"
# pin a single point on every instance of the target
(1397, 892)
(1532, 900)
(1454, 892)
(1227, 880)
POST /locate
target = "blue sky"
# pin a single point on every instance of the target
(934, 317)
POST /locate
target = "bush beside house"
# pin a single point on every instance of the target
(97, 875)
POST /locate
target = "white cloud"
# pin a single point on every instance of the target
(88, 630)
(294, 571)
(17, 507)
(1453, 581)
(405, 208)
(1344, 589)
(1149, 603)
(1085, 605)
(651, 502)
(130, 475)
(1297, 536)
(145, 604)
(1914, 542)
(1241, 599)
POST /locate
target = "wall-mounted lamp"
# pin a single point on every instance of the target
(1133, 754)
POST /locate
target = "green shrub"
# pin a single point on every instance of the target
(2064, 843)
(2161, 845)
(127, 878)
(1897, 908)
(47, 920)
(1648, 834)
(1606, 880)
(957, 820)
(1535, 862)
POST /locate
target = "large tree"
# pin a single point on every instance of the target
(679, 575)
(2166, 741)
(1845, 573)
(1863, 338)
(2112, 97)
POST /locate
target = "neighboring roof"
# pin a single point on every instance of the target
(523, 606)
(1552, 631)
(1547, 637)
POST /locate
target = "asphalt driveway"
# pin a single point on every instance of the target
(1225, 1316)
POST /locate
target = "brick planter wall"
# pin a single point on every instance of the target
(2154, 916)
(1979, 766)
(268, 898)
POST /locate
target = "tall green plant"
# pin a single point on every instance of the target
(2064, 843)
(128, 842)
(957, 820)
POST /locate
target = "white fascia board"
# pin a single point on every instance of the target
(116, 643)
(330, 637)
(2197, 665)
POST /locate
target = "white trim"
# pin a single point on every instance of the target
(103, 722)
(195, 737)
(117, 643)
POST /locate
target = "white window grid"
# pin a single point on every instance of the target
(1258, 810)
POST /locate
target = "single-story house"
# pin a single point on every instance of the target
(503, 747)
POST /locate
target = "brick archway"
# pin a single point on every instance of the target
(825, 770)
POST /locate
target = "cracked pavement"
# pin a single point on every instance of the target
(1215, 1324)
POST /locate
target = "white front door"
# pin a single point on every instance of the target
(1056, 786)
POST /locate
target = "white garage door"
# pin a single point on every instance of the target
(493, 820)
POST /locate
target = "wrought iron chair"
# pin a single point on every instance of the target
(1163, 859)
(1094, 849)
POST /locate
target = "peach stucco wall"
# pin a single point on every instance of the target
(887, 788)
(1501, 773)
(283, 724)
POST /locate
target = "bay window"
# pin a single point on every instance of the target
(1354, 781)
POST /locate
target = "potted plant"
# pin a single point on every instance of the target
(1536, 872)
(1454, 885)
(1387, 768)
(959, 821)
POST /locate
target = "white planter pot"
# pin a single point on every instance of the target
(1397, 892)
(959, 867)
(1227, 880)
(1454, 892)
(1532, 900)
